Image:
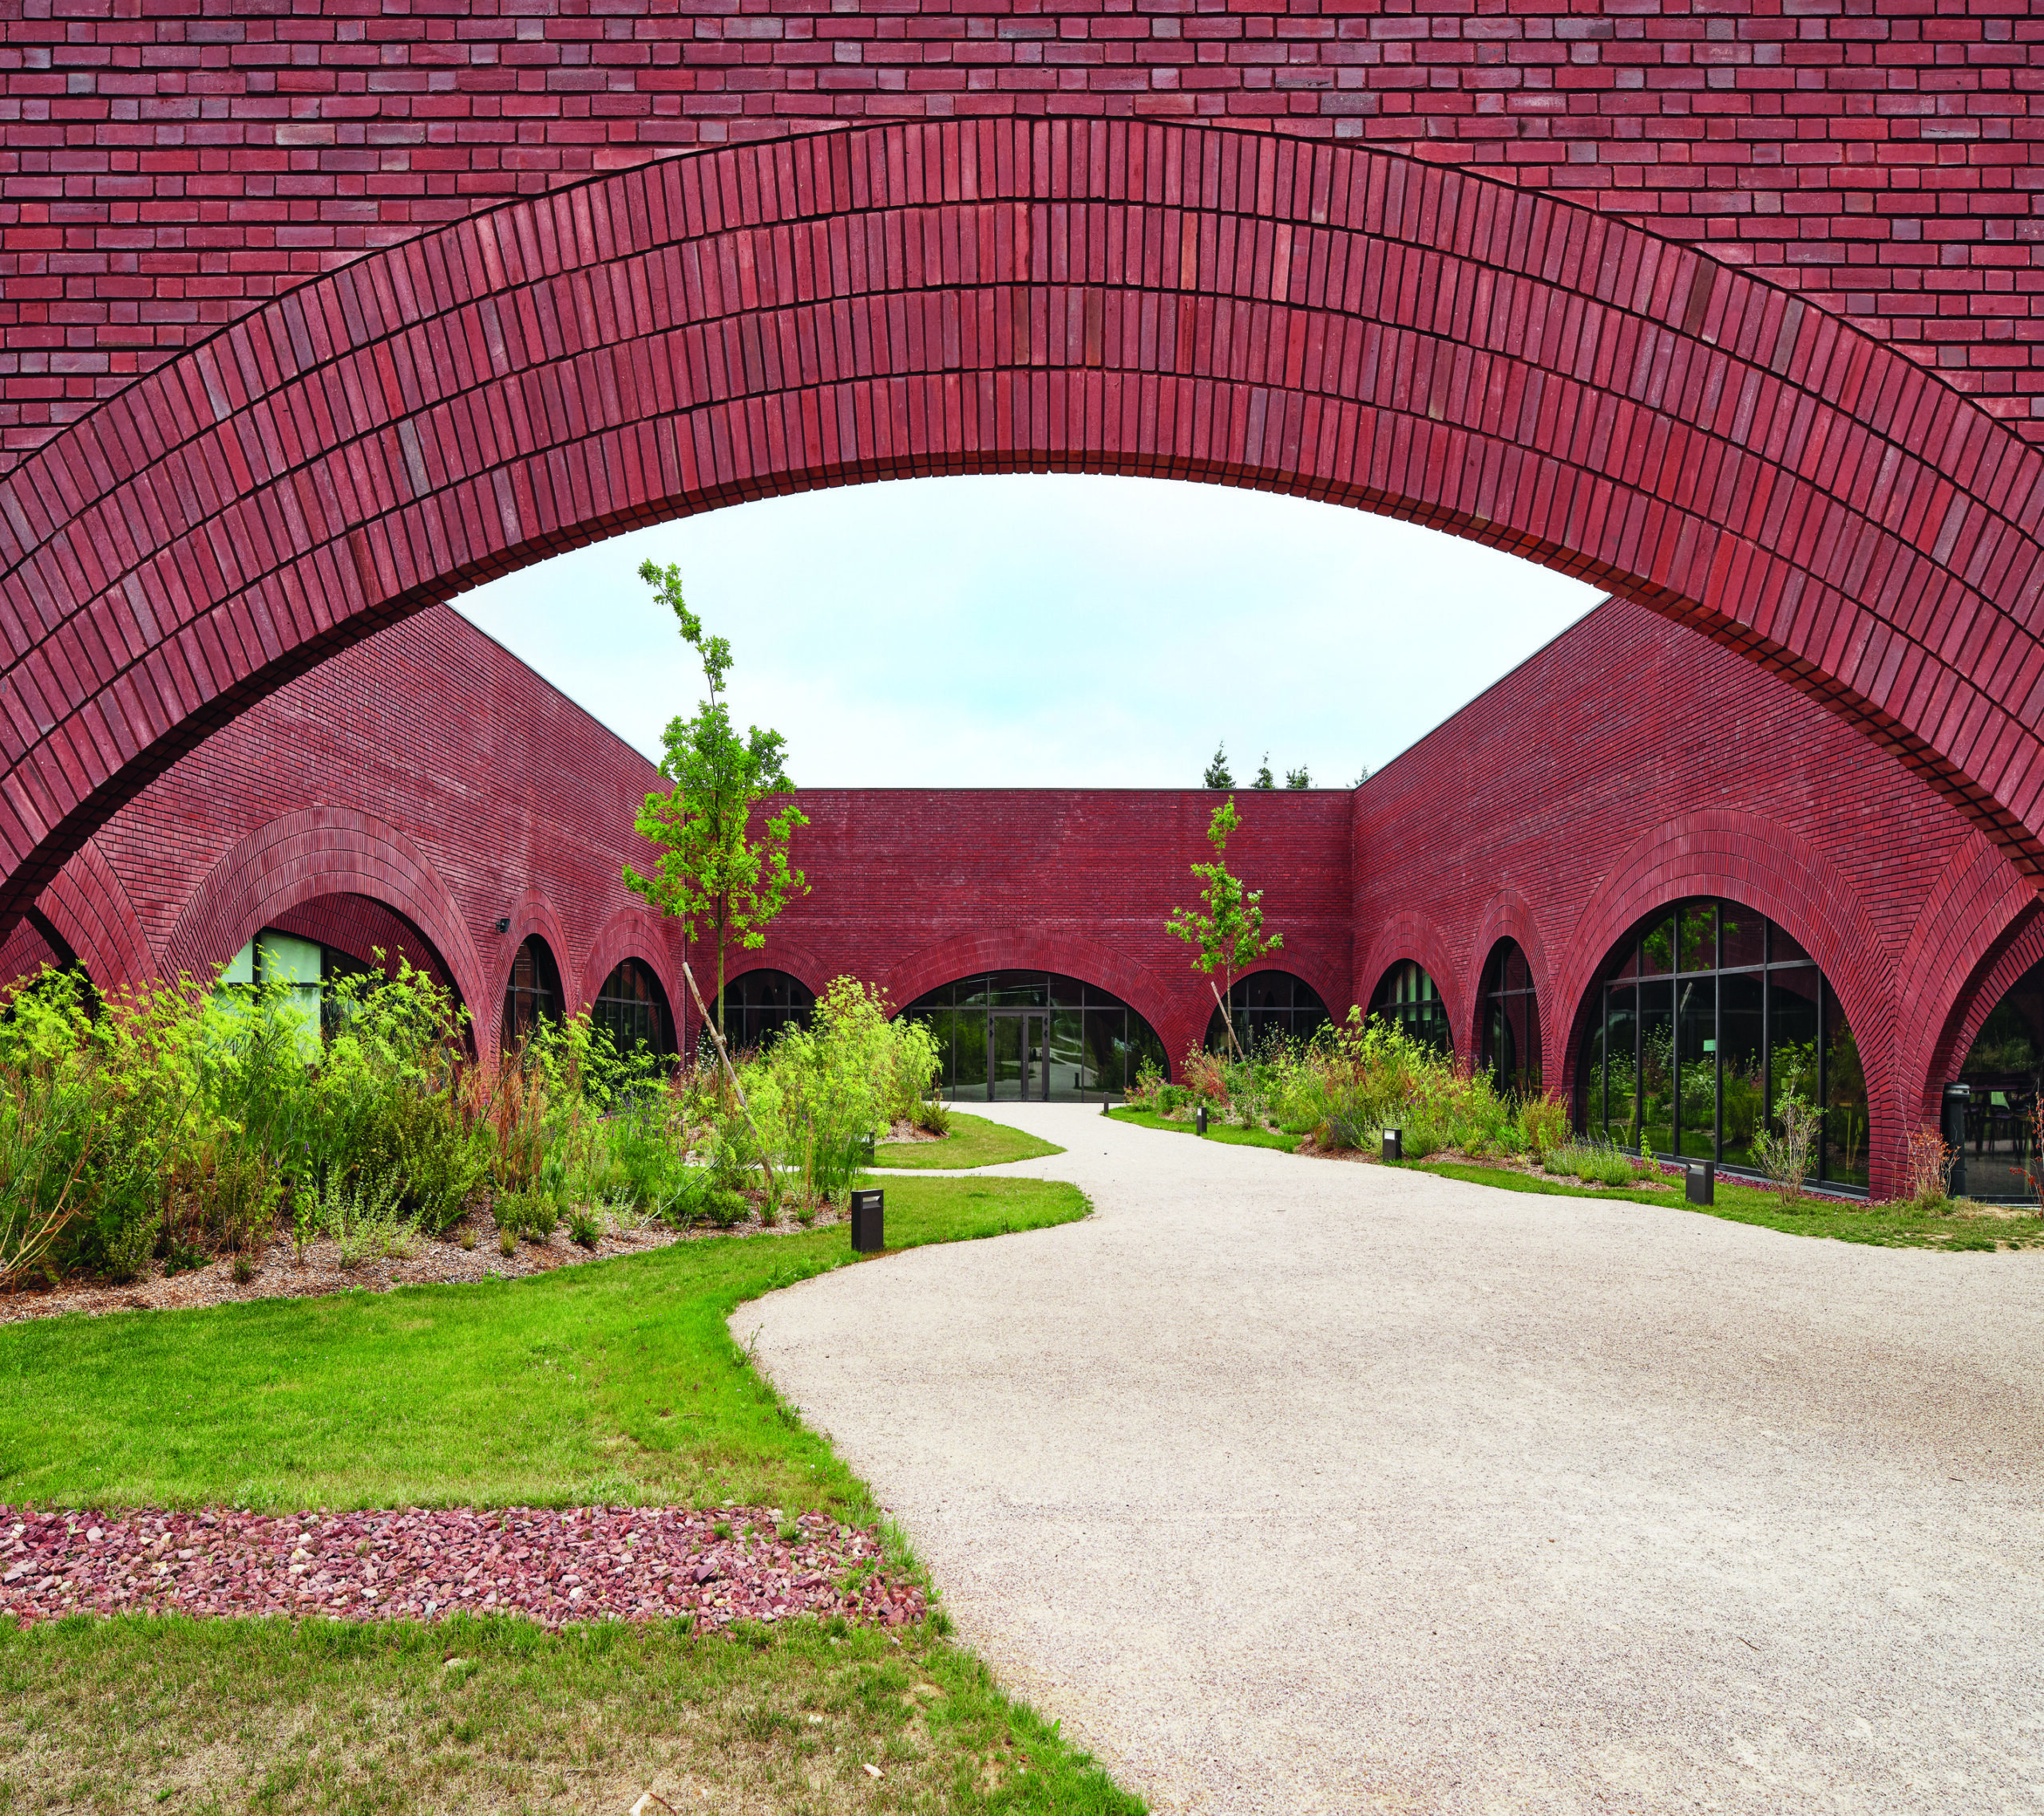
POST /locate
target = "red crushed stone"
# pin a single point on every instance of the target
(552, 1564)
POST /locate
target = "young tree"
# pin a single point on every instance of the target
(1298, 778)
(1227, 928)
(719, 878)
(1264, 778)
(1362, 776)
(1217, 775)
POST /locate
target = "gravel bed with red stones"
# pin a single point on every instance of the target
(552, 1564)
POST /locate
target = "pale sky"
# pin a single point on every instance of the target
(1041, 630)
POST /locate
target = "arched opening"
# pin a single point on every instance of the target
(2004, 1069)
(307, 956)
(1026, 1036)
(1508, 1021)
(995, 355)
(1270, 1005)
(532, 993)
(1409, 999)
(632, 1008)
(758, 1004)
(1709, 1017)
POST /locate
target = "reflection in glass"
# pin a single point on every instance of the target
(1001, 1042)
(1267, 1005)
(2004, 1069)
(532, 993)
(1696, 1057)
(1742, 1061)
(1698, 1065)
(759, 1003)
(1509, 1020)
(1408, 999)
(632, 1009)
(1845, 1100)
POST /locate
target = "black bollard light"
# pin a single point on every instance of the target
(869, 1222)
(1103, 1106)
(1700, 1182)
(1202, 1119)
(1394, 1143)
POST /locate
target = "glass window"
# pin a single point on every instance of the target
(1266, 1005)
(632, 1009)
(1407, 998)
(533, 992)
(1696, 1065)
(1509, 1021)
(1036, 1036)
(2004, 1068)
(760, 1003)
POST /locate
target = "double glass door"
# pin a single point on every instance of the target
(1018, 1054)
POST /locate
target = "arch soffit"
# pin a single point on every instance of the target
(1069, 955)
(90, 907)
(321, 851)
(1957, 963)
(1759, 863)
(1430, 342)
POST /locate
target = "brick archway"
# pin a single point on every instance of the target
(1335, 322)
(300, 857)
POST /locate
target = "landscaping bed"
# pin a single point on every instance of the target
(714, 1566)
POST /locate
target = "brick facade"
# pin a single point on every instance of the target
(888, 301)
(414, 791)
(164, 169)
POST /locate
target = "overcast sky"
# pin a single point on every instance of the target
(1034, 630)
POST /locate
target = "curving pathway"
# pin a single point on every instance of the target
(1291, 1485)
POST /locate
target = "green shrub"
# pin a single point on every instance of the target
(585, 1229)
(1546, 1124)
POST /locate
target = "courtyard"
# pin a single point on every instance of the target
(1288, 1485)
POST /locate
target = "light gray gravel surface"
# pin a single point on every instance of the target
(1292, 1485)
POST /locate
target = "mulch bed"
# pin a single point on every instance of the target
(552, 1565)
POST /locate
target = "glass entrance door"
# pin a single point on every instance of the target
(1016, 1042)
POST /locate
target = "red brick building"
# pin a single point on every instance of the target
(312, 317)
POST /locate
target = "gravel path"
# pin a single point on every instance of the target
(1293, 1486)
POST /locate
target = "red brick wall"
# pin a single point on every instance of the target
(1631, 763)
(914, 887)
(163, 169)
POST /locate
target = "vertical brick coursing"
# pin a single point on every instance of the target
(163, 170)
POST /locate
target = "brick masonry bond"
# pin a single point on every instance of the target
(164, 171)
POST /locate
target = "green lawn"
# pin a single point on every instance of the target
(1216, 1131)
(973, 1142)
(1890, 1226)
(615, 1381)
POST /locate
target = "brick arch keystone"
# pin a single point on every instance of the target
(1327, 319)
(321, 851)
(1759, 863)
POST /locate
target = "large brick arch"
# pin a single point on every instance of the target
(1338, 322)
(298, 857)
